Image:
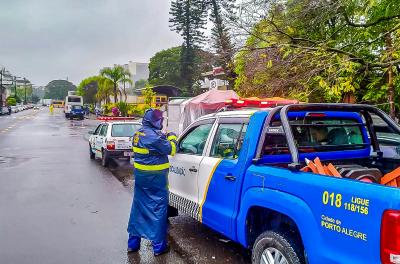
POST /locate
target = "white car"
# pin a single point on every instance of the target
(112, 139)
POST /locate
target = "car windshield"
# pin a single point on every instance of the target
(124, 130)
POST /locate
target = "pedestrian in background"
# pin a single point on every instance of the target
(148, 218)
(51, 109)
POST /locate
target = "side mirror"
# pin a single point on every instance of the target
(91, 132)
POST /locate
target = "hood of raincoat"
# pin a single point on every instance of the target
(153, 118)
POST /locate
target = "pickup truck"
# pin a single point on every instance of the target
(240, 173)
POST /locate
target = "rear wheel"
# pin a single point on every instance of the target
(92, 156)
(272, 247)
(104, 158)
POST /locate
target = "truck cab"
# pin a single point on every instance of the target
(242, 174)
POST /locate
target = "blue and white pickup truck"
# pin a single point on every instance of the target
(238, 172)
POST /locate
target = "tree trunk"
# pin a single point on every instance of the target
(390, 76)
(115, 93)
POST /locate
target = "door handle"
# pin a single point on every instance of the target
(230, 177)
(193, 170)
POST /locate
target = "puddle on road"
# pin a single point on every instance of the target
(12, 161)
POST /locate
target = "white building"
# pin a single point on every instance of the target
(138, 70)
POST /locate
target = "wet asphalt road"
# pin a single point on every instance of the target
(58, 206)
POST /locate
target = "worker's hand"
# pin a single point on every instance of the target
(172, 136)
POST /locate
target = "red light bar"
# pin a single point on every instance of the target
(316, 115)
(113, 118)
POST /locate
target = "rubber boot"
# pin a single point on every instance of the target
(160, 248)
(133, 244)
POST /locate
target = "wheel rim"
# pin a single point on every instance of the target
(273, 256)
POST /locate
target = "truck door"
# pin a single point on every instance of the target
(184, 168)
(218, 179)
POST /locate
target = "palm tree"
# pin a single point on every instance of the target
(105, 89)
(115, 75)
(124, 80)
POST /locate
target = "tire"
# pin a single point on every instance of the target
(277, 245)
(92, 156)
(104, 158)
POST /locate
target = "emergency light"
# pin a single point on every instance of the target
(258, 103)
(114, 118)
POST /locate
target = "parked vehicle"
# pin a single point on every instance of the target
(242, 174)
(112, 139)
(77, 111)
(4, 110)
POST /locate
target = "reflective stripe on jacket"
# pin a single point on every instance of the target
(151, 149)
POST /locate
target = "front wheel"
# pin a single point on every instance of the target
(104, 158)
(272, 247)
(92, 156)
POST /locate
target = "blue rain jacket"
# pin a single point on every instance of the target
(151, 148)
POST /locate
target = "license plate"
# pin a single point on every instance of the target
(128, 154)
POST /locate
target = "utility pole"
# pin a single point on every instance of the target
(25, 91)
(15, 87)
(1, 87)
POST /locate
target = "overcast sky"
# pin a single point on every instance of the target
(44, 40)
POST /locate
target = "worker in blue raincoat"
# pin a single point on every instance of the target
(148, 218)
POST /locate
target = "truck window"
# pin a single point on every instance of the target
(195, 141)
(228, 141)
(317, 135)
(97, 131)
(389, 140)
(103, 131)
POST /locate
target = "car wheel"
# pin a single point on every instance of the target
(104, 158)
(273, 247)
(92, 156)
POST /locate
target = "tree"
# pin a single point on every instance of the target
(126, 79)
(322, 50)
(148, 95)
(88, 89)
(141, 83)
(165, 68)
(219, 10)
(35, 99)
(115, 75)
(58, 89)
(106, 87)
(188, 19)
(11, 101)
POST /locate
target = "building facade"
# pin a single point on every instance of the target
(138, 70)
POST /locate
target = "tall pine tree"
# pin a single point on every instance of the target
(189, 20)
(221, 39)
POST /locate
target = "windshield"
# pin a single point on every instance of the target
(74, 99)
(124, 130)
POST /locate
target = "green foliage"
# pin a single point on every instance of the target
(105, 89)
(123, 108)
(165, 68)
(322, 51)
(11, 101)
(58, 89)
(35, 99)
(88, 89)
(116, 75)
(189, 20)
(141, 83)
(148, 95)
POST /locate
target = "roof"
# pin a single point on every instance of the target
(122, 122)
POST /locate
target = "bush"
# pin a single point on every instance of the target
(11, 101)
(123, 108)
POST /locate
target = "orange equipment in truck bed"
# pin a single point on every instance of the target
(392, 178)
